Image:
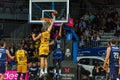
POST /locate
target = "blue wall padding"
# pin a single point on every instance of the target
(75, 51)
(72, 34)
(70, 29)
(69, 36)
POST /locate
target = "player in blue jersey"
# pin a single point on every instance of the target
(113, 53)
(3, 57)
(57, 54)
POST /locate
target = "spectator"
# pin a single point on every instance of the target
(91, 17)
(83, 41)
(86, 16)
(95, 39)
(98, 72)
(33, 71)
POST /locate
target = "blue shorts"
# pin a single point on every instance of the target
(114, 71)
(2, 68)
(57, 55)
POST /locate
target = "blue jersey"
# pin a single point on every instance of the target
(3, 55)
(114, 54)
(57, 44)
(114, 62)
(58, 54)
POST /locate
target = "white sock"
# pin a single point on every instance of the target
(59, 71)
(45, 70)
(54, 71)
(117, 79)
(41, 71)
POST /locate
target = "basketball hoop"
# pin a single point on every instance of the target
(39, 11)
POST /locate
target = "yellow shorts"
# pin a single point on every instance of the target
(44, 49)
(22, 68)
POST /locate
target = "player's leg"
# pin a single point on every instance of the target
(41, 65)
(46, 65)
(55, 68)
(2, 77)
(59, 63)
(113, 72)
(24, 71)
(24, 75)
(19, 74)
(59, 67)
(19, 70)
(2, 71)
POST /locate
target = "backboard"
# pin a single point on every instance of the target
(43, 8)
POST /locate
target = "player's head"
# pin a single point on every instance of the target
(58, 37)
(45, 26)
(112, 41)
(2, 43)
(20, 46)
(34, 63)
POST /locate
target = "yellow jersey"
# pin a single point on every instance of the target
(44, 45)
(21, 56)
(45, 37)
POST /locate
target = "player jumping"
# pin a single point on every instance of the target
(44, 45)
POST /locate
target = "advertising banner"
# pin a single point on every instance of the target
(92, 52)
(12, 75)
(68, 50)
(69, 70)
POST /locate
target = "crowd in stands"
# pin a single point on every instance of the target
(89, 25)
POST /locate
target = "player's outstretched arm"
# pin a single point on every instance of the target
(8, 54)
(60, 30)
(51, 25)
(52, 42)
(36, 38)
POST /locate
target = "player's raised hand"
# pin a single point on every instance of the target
(54, 13)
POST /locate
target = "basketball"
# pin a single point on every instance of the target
(45, 19)
(55, 13)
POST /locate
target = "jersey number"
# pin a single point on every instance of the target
(45, 39)
(21, 58)
(116, 55)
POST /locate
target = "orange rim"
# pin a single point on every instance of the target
(46, 19)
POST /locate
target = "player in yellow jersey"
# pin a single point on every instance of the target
(21, 58)
(44, 44)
